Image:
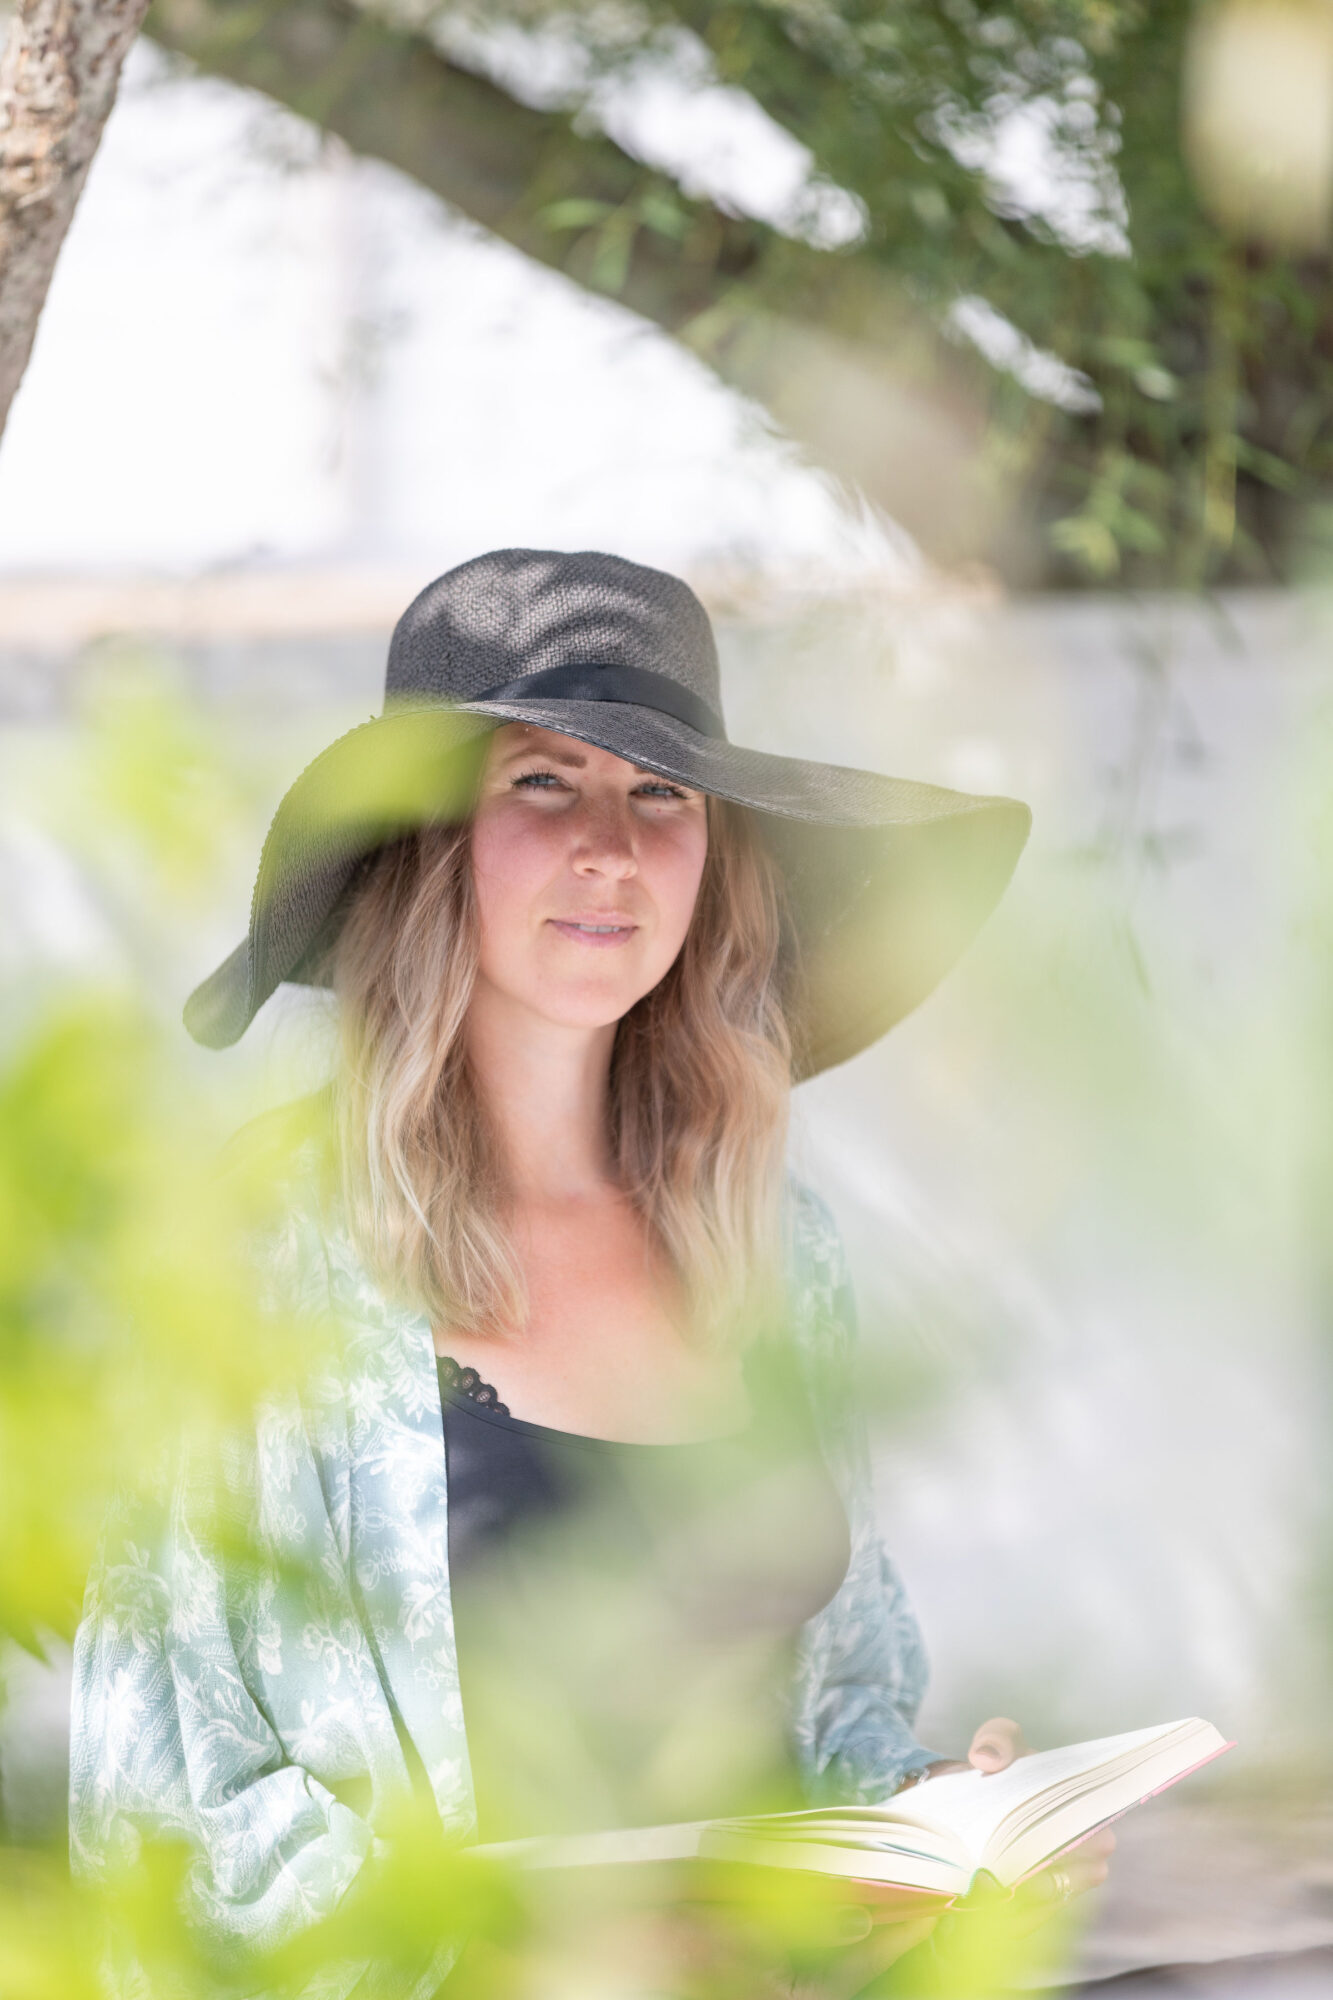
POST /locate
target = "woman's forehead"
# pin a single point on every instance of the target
(513, 741)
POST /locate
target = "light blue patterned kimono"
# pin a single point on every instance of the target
(230, 1702)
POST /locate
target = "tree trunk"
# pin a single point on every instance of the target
(58, 82)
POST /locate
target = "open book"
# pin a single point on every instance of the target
(937, 1836)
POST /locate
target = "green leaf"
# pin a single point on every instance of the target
(615, 246)
(1266, 466)
(1089, 541)
(664, 216)
(574, 214)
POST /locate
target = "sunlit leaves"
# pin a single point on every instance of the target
(1033, 156)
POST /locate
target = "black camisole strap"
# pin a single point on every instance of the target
(467, 1382)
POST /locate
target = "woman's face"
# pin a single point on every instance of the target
(586, 870)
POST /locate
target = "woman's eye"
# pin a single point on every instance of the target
(550, 781)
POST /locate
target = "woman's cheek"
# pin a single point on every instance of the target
(511, 858)
(506, 878)
(679, 872)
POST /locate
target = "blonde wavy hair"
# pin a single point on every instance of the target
(699, 1088)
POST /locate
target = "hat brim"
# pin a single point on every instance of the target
(888, 880)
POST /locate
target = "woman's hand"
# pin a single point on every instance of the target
(640, 1952)
(874, 1934)
(994, 1747)
(1083, 1867)
(997, 1744)
(1073, 1873)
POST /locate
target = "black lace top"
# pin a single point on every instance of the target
(626, 1614)
(467, 1382)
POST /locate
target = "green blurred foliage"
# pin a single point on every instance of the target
(132, 1328)
(130, 1324)
(128, 1311)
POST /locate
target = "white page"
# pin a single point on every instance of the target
(1030, 1838)
(972, 1804)
(676, 1842)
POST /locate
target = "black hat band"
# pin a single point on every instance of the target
(591, 681)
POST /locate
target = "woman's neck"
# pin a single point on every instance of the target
(545, 1089)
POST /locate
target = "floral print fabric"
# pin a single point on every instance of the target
(266, 1707)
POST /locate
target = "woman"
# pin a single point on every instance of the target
(582, 1468)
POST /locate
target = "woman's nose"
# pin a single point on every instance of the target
(605, 841)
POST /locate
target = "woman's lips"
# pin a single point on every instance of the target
(604, 933)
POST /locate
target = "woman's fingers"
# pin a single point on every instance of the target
(887, 1903)
(1067, 1880)
(1083, 1867)
(856, 1965)
(847, 1970)
(996, 1744)
(1036, 1901)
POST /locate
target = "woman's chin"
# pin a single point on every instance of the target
(589, 1014)
(589, 1005)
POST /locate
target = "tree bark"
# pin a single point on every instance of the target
(58, 81)
(825, 341)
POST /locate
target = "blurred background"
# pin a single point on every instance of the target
(973, 362)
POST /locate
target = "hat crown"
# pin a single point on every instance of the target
(516, 612)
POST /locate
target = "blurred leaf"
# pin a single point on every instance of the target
(574, 214)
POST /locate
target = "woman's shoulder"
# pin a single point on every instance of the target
(823, 1330)
(280, 1177)
(815, 1253)
(289, 1145)
(301, 1243)
(819, 1289)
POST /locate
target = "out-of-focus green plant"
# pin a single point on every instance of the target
(128, 1321)
(131, 1325)
(128, 1312)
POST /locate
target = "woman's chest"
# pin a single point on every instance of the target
(627, 1617)
(606, 1349)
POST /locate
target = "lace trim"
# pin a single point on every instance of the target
(467, 1382)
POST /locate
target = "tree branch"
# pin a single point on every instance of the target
(823, 340)
(515, 170)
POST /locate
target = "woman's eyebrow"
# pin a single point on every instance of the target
(573, 758)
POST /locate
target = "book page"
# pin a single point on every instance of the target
(973, 1804)
(1028, 1840)
(913, 1871)
(938, 1834)
(678, 1842)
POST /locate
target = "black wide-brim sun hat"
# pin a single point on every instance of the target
(887, 880)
